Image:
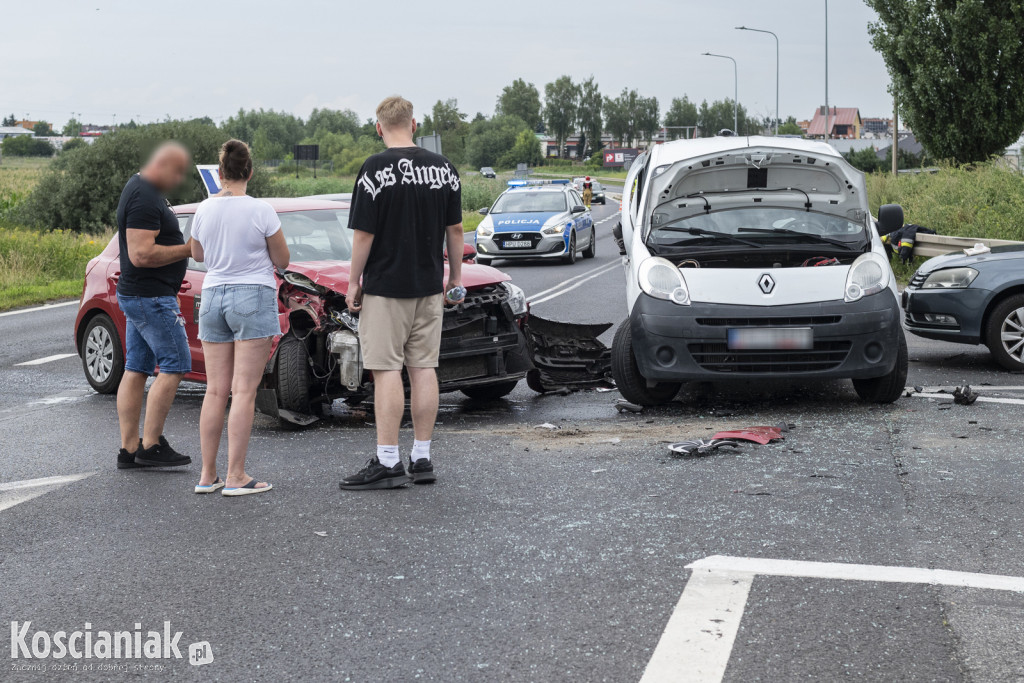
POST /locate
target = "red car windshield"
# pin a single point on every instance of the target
(320, 235)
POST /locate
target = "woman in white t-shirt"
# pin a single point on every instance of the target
(240, 240)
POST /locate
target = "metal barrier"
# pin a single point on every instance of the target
(937, 245)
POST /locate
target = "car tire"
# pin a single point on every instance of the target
(570, 256)
(293, 375)
(887, 388)
(591, 251)
(1007, 318)
(483, 261)
(102, 354)
(491, 392)
(630, 383)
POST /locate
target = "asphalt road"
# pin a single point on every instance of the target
(540, 555)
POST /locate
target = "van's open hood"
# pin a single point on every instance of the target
(771, 171)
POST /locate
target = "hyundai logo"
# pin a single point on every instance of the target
(766, 283)
(517, 235)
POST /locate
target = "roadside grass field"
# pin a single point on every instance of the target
(17, 180)
(36, 267)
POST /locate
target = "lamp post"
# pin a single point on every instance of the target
(735, 88)
(828, 128)
(760, 30)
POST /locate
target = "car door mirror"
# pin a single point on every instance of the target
(890, 219)
(579, 209)
(483, 211)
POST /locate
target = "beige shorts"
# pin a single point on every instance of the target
(400, 332)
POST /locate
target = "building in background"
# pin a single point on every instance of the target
(845, 122)
(10, 131)
(877, 128)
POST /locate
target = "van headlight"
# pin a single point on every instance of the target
(868, 275)
(662, 280)
(950, 278)
(516, 298)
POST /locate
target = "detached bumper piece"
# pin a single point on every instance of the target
(567, 355)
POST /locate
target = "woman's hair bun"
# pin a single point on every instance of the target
(235, 160)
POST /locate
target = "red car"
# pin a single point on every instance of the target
(317, 359)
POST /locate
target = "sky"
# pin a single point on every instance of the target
(114, 60)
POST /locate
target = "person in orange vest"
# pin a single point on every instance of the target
(588, 191)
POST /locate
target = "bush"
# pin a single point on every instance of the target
(478, 192)
(26, 146)
(81, 191)
(986, 200)
(73, 144)
(285, 186)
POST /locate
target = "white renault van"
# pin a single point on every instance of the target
(751, 258)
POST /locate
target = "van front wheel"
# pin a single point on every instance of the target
(887, 388)
(631, 384)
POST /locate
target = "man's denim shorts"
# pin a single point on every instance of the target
(230, 313)
(155, 335)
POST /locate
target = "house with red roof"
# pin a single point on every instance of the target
(842, 122)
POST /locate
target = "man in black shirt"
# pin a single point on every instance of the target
(153, 257)
(406, 203)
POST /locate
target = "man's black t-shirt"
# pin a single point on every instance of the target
(142, 207)
(406, 197)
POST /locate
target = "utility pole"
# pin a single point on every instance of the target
(895, 134)
(736, 90)
(828, 128)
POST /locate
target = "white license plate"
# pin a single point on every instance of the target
(517, 244)
(771, 338)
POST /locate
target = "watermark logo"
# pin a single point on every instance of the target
(85, 643)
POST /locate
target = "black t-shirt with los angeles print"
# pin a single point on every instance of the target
(406, 197)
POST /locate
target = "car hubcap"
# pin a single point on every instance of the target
(99, 354)
(1012, 334)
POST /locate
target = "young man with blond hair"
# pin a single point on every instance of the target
(407, 202)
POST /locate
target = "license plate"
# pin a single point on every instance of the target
(771, 338)
(516, 244)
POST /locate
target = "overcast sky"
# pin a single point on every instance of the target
(187, 58)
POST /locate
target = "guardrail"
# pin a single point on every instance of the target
(937, 245)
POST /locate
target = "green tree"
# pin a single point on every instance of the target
(719, 114)
(682, 112)
(42, 129)
(487, 142)
(957, 68)
(73, 144)
(631, 116)
(617, 118)
(332, 121)
(865, 160)
(561, 107)
(10, 121)
(790, 127)
(450, 123)
(520, 99)
(72, 128)
(525, 151)
(280, 131)
(591, 122)
(26, 146)
(647, 117)
(81, 190)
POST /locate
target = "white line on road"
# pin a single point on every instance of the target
(983, 399)
(47, 359)
(563, 283)
(45, 307)
(697, 641)
(595, 273)
(17, 492)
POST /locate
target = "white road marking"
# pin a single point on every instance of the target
(47, 359)
(599, 272)
(698, 639)
(568, 281)
(982, 399)
(17, 492)
(44, 307)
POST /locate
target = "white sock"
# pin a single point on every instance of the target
(388, 455)
(420, 449)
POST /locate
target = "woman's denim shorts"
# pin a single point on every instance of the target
(230, 313)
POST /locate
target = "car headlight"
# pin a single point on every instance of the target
(868, 275)
(484, 231)
(950, 278)
(516, 298)
(662, 280)
(557, 229)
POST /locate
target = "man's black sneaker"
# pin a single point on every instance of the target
(126, 460)
(422, 471)
(161, 455)
(376, 476)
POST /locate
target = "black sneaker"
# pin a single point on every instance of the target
(161, 455)
(126, 460)
(376, 476)
(422, 471)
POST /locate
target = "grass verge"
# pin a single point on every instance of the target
(36, 267)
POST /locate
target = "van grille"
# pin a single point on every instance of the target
(826, 355)
(798, 321)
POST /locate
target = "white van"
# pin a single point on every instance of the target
(750, 258)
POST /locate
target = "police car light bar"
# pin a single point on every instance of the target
(524, 183)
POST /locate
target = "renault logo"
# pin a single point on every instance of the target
(766, 283)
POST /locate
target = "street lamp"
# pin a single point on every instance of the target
(760, 30)
(735, 87)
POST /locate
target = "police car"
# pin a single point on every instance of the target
(536, 219)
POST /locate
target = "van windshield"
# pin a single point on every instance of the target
(767, 226)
